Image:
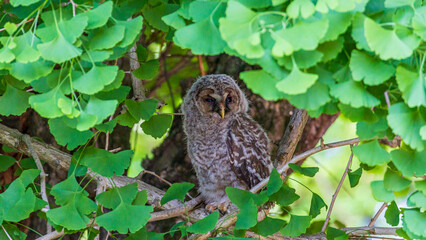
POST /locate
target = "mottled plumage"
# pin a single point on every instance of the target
(226, 146)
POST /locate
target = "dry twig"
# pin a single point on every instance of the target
(333, 199)
(376, 216)
(43, 175)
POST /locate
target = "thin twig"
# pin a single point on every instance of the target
(175, 212)
(7, 234)
(19, 24)
(157, 176)
(333, 199)
(74, 5)
(43, 175)
(116, 150)
(201, 65)
(166, 76)
(387, 98)
(52, 235)
(376, 216)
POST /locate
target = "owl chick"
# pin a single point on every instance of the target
(226, 146)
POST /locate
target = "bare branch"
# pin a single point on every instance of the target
(333, 199)
(52, 235)
(291, 137)
(201, 65)
(374, 219)
(138, 89)
(27, 140)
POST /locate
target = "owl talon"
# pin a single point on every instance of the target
(211, 207)
(224, 206)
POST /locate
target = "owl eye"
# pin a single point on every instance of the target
(229, 99)
(209, 100)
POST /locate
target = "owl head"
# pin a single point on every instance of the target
(216, 97)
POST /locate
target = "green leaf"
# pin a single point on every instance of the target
(148, 70)
(296, 226)
(98, 17)
(414, 222)
(331, 49)
(6, 162)
(268, 226)
(398, 3)
(240, 197)
(75, 205)
(176, 191)
(302, 58)
(107, 126)
(114, 196)
(307, 171)
(288, 40)
(125, 218)
(262, 83)
(203, 36)
(317, 203)
(18, 201)
(315, 97)
(66, 135)
(204, 225)
(126, 119)
(6, 55)
(371, 153)
(174, 20)
(31, 71)
(419, 22)
(338, 22)
(94, 80)
(336, 234)
(275, 182)
(372, 71)
(398, 43)
(410, 163)
(154, 15)
(354, 94)
(296, 82)
(247, 217)
(303, 8)
(17, 97)
(141, 52)
(94, 113)
(11, 231)
(412, 85)
(406, 122)
(285, 196)
(157, 125)
(354, 177)
(417, 199)
(141, 198)
(393, 181)
(392, 214)
(239, 30)
(105, 38)
(47, 104)
(25, 50)
(366, 131)
(58, 50)
(132, 30)
(69, 29)
(421, 186)
(104, 162)
(16, 3)
(96, 55)
(380, 193)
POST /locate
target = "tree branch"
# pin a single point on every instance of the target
(291, 137)
(333, 199)
(374, 219)
(138, 89)
(61, 160)
(52, 235)
(27, 140)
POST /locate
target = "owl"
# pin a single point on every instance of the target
(225, 145)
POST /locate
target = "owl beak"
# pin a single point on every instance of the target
(222, 110)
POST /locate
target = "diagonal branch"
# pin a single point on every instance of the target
(333, 200)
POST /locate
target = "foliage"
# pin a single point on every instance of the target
(364, 59)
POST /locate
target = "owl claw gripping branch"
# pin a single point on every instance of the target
(226, 146)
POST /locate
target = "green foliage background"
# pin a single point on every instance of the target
(364, 59)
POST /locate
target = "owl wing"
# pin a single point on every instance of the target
(247, 145)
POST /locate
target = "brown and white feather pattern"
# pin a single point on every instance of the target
(248, 150)
(229, 151)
